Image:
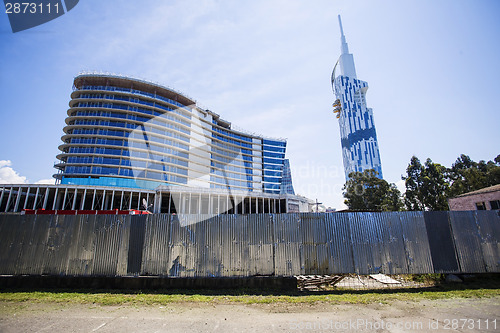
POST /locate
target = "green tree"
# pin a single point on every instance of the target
(365, 191)
(414, 195)
(427, 186)
(465, 175)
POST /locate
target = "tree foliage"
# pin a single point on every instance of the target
(465, 175)
(426, 186)
(365, 191)
(429, 186)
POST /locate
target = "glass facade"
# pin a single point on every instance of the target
(131, 133)
(360, 149)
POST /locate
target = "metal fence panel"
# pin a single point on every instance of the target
(108, 241)
(287, 245)
(441, 242)
(467, 242)
(233, 239)
(136, 244)
(81, 253)
(156, 245)
(338, 234)
(367, 243)
(416, 243)
(60, 233)
(488, 224)
(249, 245)
(260, 237)
(393, 255)
(37, 241)
(315, 258)
(180, 239)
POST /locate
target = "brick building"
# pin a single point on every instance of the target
(484, 199)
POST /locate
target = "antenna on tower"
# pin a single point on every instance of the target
(340, 23)
(344, 48)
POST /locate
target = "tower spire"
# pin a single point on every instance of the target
(344, 48)
(346, 61)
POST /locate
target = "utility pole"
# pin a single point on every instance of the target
(317, 205)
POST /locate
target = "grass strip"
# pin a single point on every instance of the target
(119, 297)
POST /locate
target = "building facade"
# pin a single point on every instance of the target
(360, 149)
(131, 144)
(130, 133)
(484, 199)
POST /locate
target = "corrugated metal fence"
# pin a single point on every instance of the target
(250, 245)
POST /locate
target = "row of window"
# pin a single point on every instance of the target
(137, 130)
(273, 155)
(276, 180)
(231, 161)
(277, 167)
(129, 108)
(231, 175)
(98, 141)
(93, 160)
(154, 147)
(494, 204)
(232, 156)
(126, 152)
(142, 145)
(98, 151)
(268, 160)
(157, 120)
(273, 173)
(274, 143)
(166, 177)
(231, 134)
(152, 175)
(229, 154)
(248, 169)
(126, 162)
(237, 143)
(230, 182)
(226, 187)
(98, 170)
(109, 114)
(271, 188)
(236, 150)
(276, 149)
(137, 92)
(99, 131)
(167, 115)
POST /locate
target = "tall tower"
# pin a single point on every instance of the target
(357, 129)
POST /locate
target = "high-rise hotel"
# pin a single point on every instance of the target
(130, 143)
(360, 149)
(130, 133)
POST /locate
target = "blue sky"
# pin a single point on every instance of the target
(433, 68)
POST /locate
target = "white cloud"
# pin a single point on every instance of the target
(400, 184)
(9, 175)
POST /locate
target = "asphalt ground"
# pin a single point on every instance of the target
(449, 315)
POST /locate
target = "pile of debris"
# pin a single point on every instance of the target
(312, 282)
(349, 281)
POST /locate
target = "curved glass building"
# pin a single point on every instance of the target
(125, 132)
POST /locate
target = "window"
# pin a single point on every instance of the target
(495, 204)
(480, 206)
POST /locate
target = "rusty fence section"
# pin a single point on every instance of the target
(250, 245)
